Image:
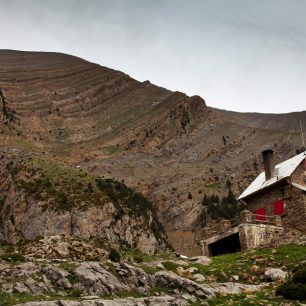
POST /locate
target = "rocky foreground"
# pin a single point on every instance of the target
(134, 278)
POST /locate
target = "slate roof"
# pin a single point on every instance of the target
(282, 170)
(299, 186)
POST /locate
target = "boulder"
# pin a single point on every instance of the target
(171, 280)
(274, 274)
(97, 280)
(203, 260)
(235, 288)
(199, 278)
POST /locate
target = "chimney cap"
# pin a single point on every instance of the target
(268, 150)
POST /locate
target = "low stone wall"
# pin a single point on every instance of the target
(253, 236)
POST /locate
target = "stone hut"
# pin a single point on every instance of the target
(279, 190)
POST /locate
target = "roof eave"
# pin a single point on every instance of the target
(264, 188)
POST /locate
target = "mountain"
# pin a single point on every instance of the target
(166, 145)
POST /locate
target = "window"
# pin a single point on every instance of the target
(279, 207)
(261, 214)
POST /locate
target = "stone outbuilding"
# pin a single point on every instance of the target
(279, 190)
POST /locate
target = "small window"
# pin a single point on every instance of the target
(279, 207)
(261, 214)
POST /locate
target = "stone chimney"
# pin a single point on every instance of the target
(269, 163)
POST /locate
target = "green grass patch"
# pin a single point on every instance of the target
(7, 299)
(214, 186)
(25, 146)
(170, 266)
(67, 266)
(223, 266)
(263, 297)
(113, 150)
(13, 257)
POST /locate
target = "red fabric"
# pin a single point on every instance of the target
(262, 213)
(279, 207)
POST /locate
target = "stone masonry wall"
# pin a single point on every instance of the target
(295, 217)
(266, 198)
(253, 236)
(298, 175)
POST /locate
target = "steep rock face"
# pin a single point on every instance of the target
(35, 204)
(162, 143)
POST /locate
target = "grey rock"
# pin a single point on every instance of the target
(234, 288)
(164, 300)
(97, 280)
(172, 280)
(274, 274)
(189, 297)
(21, 288)
(199, 278)
(58, 276)
(203, 260)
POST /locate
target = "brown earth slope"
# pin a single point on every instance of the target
(162, 143)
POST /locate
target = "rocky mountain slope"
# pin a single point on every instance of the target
(164, 144)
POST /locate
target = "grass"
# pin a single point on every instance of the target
(13, 257)
(170, 266)
(137, 256)
(25, 146)
(263, 297)
(7, 299)
(214, 186)
(67, 266)
(241, 263)
(113, 149)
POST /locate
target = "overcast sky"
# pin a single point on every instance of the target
(243, 55)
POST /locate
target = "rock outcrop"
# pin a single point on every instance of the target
(54, 200)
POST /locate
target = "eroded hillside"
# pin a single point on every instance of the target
(164, 144)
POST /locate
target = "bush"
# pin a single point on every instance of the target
(294, 288)
(75, 293)
(13, 257)
(226, 208)
(292, 291)
(114, 255)
(138, 259)
(300, 275)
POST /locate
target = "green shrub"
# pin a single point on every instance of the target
(114, 255)
(292, 291)
(13, 257)
(138, 259)
(75, 293)
(294, 288)
(300, 275)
